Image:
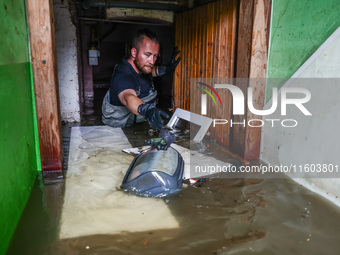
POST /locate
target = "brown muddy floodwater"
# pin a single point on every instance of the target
(216, 216)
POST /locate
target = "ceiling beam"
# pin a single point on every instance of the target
(159, 16)
(151, 5)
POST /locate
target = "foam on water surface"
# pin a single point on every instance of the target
(93, 203)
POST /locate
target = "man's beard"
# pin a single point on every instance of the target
(143, 69)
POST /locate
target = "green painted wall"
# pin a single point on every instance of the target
(298, 28)
(19, 157)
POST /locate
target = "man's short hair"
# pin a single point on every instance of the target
(143, 33)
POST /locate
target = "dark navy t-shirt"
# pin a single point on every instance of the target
(125, 77)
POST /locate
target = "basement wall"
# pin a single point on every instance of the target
(66, 48)
(316, 138)
(19, 157)
(297, 30)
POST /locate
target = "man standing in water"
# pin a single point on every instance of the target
(132, 97)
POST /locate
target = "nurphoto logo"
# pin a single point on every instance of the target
(238, 105)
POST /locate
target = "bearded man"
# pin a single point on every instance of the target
(132, 97)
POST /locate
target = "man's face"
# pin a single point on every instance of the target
(146, 56)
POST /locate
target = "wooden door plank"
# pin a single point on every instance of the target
(258, 73)
(42, 40)
(245, 25)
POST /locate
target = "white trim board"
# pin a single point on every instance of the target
(202, 121)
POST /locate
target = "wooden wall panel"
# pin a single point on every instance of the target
(225, 40)
(226, 56)
(245, 28)
(207, 37)
(41, 28)
(251, 63)
(258, 73)
(178, 71)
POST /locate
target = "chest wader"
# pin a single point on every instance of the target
(121, 116)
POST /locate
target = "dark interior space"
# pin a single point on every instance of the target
(113, 41)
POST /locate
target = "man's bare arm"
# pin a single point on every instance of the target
(129, 98)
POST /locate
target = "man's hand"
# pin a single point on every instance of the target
(165, 138)
(158, 143)
(161, 70)
(152, 115)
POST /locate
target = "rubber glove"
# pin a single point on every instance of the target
(152, 115)
(164, 69)
(164, 140)
(158, 143)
